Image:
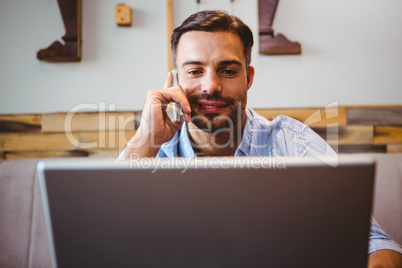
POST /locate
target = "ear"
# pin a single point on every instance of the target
(250, 76)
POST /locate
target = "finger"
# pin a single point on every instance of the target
(168, 81)
(175, 125)
(183, 102)
(186, 109)
(187, 117)
(177, 96)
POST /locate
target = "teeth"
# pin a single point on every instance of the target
(210, 106)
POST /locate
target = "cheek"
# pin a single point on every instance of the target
(189, 87)
(236, 87)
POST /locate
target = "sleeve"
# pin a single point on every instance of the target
(380, 239)
(313, 145)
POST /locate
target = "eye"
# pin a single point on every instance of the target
(194, 72)
(230, 73)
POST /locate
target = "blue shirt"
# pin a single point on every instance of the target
(282, 136)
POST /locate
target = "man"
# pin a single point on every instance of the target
(212, 55)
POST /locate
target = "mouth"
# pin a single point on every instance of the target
(211, 106)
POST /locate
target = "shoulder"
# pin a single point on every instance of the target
(286, 136)
(281, 122)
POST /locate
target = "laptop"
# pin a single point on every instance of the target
(208, 212)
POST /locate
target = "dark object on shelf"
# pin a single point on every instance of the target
(269, 43)
(71, 49)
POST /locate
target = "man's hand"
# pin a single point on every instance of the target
(385, 258)
(156, 127)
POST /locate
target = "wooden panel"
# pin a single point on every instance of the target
(61, 141)
(45, 154)
(20, 123)
(391, 116)
(372, 106)
(106, 134)
(28, 142)
(386, 135)
(313, 117)
(107, 140)
(348, 135)
(170, 27)
(362, 149)
(58, 154)
(105, 153)
(88, 121)
(394, 148)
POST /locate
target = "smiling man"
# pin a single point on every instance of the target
(212, 55)
(215, 75)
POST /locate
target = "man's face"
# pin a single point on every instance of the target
(212, 71)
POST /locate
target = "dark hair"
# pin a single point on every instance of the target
(214, 21)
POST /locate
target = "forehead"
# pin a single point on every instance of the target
(209, 46)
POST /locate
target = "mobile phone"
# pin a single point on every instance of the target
(176, 106)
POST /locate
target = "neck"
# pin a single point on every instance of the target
(219, 143)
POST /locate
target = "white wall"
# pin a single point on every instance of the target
(352, 53)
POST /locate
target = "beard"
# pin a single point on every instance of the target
(214, 122)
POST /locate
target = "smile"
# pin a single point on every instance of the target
(211, 106)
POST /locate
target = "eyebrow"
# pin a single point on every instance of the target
(192, 62)
(221, 63)
(230, 62)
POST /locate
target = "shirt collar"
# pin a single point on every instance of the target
(245, 144)
(185, 148)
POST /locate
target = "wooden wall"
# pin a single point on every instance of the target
(91, 134)
(349, 129)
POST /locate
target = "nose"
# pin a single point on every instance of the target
(211, 83)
